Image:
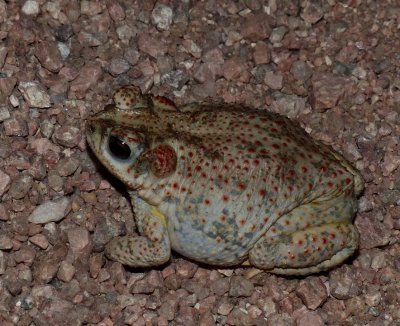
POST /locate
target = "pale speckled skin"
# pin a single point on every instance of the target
(226, 185)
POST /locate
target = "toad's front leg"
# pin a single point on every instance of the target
(151, 248)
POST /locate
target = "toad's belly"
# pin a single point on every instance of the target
(207, 247)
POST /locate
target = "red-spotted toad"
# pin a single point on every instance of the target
(225, 185)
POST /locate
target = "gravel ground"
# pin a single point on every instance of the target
(332, 65)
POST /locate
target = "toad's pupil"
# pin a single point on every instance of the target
(119, 148)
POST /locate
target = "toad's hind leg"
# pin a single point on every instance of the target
(151, 248)
(306, 251)
(311, 238)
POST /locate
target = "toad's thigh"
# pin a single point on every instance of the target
(307, 251)
(318, 212)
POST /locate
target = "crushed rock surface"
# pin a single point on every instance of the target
(332, 65)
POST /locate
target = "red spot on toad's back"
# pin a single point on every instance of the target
(164, 101)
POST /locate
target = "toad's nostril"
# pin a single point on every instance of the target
(90, 128)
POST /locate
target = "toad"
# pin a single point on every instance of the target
(225, 185)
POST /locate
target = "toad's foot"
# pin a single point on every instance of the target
(152, 248)
(137, 251)
(306, 251)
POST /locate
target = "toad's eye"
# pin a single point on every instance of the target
(119, 148)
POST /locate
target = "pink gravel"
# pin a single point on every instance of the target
(334, 66)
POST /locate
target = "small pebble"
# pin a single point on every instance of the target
(50, 211)
(31, 8)
(34, 94)
(4, 113)
(5, 181)
(162, 16)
